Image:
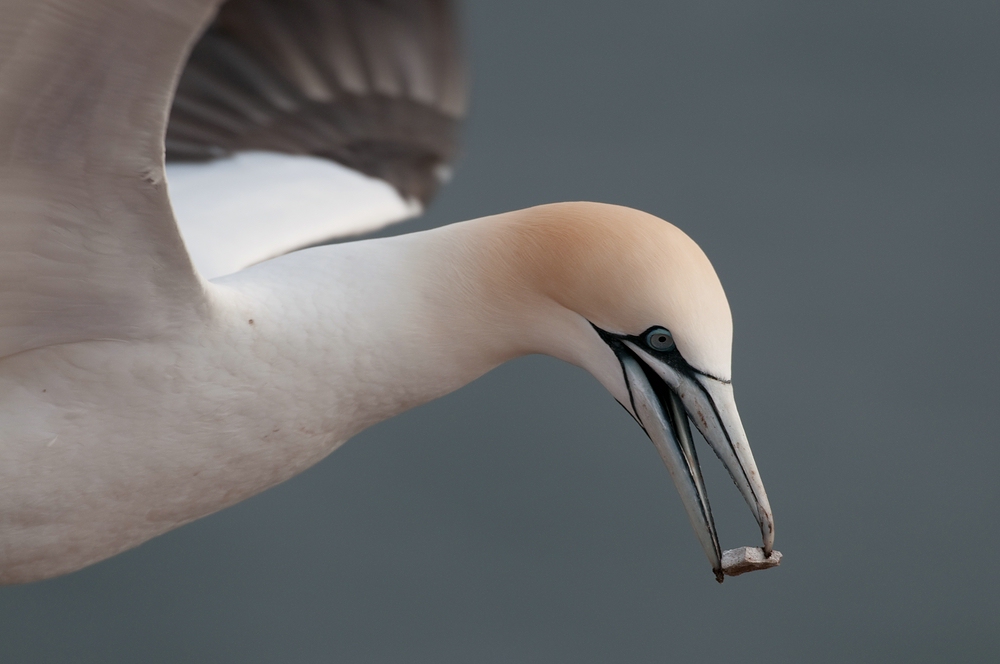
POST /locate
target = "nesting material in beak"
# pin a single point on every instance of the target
(748, 559)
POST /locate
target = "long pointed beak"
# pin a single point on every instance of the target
(661, 414)
(711, 405)
(663, 400)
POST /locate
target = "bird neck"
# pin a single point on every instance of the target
(373, 328)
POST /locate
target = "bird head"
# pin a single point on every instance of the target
(636, 302)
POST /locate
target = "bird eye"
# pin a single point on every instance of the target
(660, 339)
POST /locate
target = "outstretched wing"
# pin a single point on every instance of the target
(88, 245)
(297, 121)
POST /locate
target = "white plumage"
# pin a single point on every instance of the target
(135, 395)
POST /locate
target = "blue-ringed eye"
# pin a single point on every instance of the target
(660, 339)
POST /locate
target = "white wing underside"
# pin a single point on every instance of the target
(244, 209)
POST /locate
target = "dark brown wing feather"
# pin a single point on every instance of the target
(377, 85)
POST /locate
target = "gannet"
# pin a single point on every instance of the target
(137, 395)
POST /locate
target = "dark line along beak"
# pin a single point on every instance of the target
(665, 392)
(661, 415)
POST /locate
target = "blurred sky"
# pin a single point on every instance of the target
(839, 163)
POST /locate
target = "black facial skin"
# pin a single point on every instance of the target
(671, 357)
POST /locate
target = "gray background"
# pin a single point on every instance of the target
(839, 164)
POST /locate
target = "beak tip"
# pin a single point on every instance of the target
(767, 530)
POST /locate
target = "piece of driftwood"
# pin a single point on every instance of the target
(748, 559)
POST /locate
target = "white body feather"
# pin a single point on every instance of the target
(134, 394)
(107, 443)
